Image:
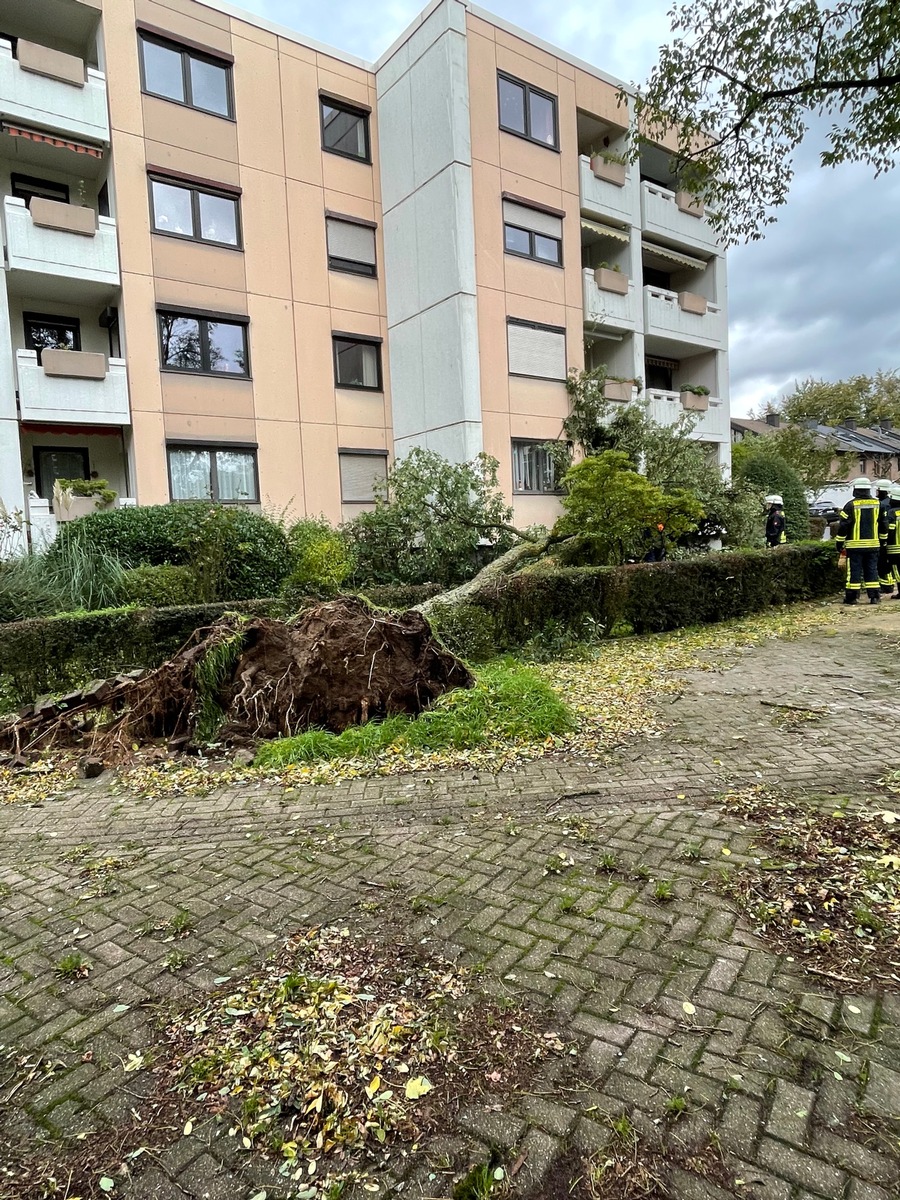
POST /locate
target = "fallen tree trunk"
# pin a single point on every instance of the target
(506, 564)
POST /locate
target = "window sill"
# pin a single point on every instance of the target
(195, 241)
(207, 374)
(359, 387)
(208, 112)
(360, 270)
(366, 162)
(556, 495)
(524, 137)
(541, 262)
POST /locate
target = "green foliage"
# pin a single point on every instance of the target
(400, 596)
(88, 487)
(609, 508)
(210, 676)
(237, 554)
(801, 449)
(466, 630)
(75, 578)
(866, 399)
(759, 468)
(758, 77)
(428, 522)
(508, 703)
(160, 587)
(321, 559)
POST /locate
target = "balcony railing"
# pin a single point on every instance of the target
(602, 307)
(600, 197)
(61, 239)
(666, 214)
(712, 426)
(670, 314)
(53, 90)
(72, 387)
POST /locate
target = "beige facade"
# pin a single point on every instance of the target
(233, 240)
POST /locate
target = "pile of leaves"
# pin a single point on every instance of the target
(828, 888)
(341, 1049)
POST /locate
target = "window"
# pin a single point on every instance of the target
(204, 342)
(351, 246)
(534, 472)
(51, 333)
(532, 233)
(345, 129)
(190, 212)
(660, 373)
(227, 474)
(26, 187)
(357, 362)
(536, 350)
(186, 76)
(58, 462)
(528, 112)
(361, 470)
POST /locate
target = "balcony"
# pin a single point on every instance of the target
(714, 425)
(668, 215)
(603, 198)
(53, 90)
(72, 387)
(62, 240)
(677, 315)
(602, 307)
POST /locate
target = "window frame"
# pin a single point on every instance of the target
(363, 340)
(30, 183)
(34, 318)
(204, 317)
(531, 256)
(37, 451)
(350, 266)
(529, 89)
(187, 52)
(196, 190)
(557, 490)
(348, 451)
(212, 448)
(356, 110)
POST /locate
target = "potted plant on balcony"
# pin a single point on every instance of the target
(611, 279)
(694, 397)
(618, 387)
(609, 166)
(73, 498)
(690, 302)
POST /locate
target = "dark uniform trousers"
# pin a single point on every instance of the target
(862, 571)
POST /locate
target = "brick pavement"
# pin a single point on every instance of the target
(799, 1088)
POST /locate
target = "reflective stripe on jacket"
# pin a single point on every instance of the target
(893, 540)
(863, 524)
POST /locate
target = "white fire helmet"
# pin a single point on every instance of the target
(861, 483)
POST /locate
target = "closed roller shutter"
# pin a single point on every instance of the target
(536, 350)
(531, 218)
(351, 242)
(359, 473)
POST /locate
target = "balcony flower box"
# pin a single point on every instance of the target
(74, 364)
(693, 402)
(609, 170)
(690, 302)
(614, 389)
(53, 64)
(611, 281)
(68, 218)
(690, 204)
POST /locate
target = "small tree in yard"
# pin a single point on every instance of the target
(767, 472)
(610, 508)
(429, 519)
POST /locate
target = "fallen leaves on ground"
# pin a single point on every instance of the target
(340, 1049)
(829, 886)
(43, 780)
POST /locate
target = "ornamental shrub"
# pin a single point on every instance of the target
(770, 473)
(321, 558)
(236, 553)
(160, 587)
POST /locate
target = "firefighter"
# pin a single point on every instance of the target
(893, 540)
(862, 528)
(883, 492)
(776, 534)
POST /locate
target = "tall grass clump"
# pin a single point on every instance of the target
(77, 578)
(509, 704)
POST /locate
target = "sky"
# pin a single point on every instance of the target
(819, 296)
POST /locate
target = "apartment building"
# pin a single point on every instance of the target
(244, 266)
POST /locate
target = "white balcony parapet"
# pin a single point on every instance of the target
(665, 313)
(602, 198)
(71, 399)
(54, 103)
(608, 308)
(661, 215)
(57, 251)
(665, 408)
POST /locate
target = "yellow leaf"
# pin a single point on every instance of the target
(890, 860)
(890, 818)
(689, 1008)
(373, 1086)
(680, 796)
(417, 1087)
(725, 850)
(187, 1129)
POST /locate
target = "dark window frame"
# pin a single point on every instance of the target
(195, 192)
(25, 183)
(349, 450)
(212, 448)
(539, 325)
(352, 266)
(34, 318)
(529, 89)
(532, 257)
(37, 451)
(353, 110)
(360, 340)
(557, 490)
(204, 318)
(187, 53)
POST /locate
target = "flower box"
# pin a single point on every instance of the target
(690, 204)
(694, 403)
(611, 281)
(614, 390)
(611, 172)
(690, 302)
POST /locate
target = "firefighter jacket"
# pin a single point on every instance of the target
(775, 531)
(893, 538)
(863, 525)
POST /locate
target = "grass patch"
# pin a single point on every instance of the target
(509, 703)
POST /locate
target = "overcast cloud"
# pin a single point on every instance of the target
(820, 296)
